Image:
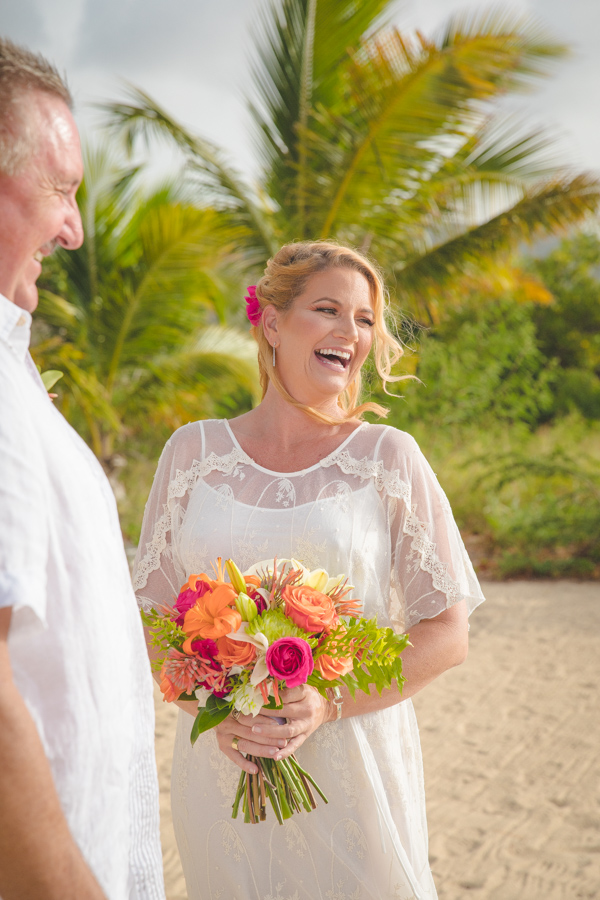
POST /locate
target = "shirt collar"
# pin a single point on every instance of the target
(15, 327)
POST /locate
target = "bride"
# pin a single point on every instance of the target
(303, 476)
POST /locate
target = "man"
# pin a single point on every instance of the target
(78, 788)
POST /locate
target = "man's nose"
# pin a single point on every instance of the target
(71, 234)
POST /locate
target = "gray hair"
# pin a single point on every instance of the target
(22, 73)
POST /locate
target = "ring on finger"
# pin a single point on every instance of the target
(235, 743)
(236, 714)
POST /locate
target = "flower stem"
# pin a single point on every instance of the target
(285, 783)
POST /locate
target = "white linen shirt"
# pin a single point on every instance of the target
(75, 642)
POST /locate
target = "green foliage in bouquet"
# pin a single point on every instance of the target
(165, 633)
(376, 652)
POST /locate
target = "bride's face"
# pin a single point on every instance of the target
(325, 337)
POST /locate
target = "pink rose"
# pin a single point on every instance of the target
(188, 595)
(253, 310)
(290, 659)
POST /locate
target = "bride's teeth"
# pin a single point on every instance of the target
(39, 256)
(342, 354)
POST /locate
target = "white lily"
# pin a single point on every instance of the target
(202, 696)
(248, 699)
(260, 671)
(268, 565)
(335, 583)
(259, 639)
(316, 579)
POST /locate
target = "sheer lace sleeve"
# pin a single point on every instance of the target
(157, 571)
(431, 570)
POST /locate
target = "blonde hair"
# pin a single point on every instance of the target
(286, 276)
(21, 73)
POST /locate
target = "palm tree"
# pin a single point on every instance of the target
(134, 318)
(388, 141)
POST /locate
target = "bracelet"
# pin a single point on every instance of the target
(336, 697)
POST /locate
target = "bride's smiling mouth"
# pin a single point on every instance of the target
(334, 358)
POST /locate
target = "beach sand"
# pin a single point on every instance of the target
(511, 747)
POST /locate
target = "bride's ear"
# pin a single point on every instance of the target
(270, 318)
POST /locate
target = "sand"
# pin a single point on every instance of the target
(511, 747)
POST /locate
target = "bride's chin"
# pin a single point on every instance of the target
(317, 390)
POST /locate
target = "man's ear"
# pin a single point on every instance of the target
(270, 318)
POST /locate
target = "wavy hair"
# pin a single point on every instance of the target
(285, 278)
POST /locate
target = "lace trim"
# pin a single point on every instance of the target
(388, 482)
(178, 487)
(392, 485)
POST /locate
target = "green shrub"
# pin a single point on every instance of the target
(482, 365)
(578, 389)
(569, 329)
(532, 499)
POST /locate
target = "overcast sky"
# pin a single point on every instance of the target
(192, 57)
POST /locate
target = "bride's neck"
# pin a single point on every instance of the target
(285, 424)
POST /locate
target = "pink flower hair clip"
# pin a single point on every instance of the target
(253, 310)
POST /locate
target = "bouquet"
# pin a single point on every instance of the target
(232, 644)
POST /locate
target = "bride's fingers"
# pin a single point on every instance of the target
(235, 756)
(292, 745)
(292, 695)
(237, 747)
(248, 721)
(231, 729)
(303, 717)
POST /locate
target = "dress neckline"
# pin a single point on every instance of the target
(298, 472)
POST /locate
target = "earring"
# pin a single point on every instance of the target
(273, 355)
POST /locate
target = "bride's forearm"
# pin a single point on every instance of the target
(437, 644)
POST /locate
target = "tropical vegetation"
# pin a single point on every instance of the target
(397, 144)
(507, 408)
(136, 318)
(391, 142)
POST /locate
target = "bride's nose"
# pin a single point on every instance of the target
(346, 328)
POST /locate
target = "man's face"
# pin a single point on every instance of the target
(38, 210)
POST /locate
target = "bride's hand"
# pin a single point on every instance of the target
(269, 743)
(305, 710)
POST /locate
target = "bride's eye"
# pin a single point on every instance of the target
(326, 309)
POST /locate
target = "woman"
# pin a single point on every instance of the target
(302, 476)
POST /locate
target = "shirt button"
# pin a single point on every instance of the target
(22, 321)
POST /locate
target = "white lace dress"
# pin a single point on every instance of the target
(374, 510)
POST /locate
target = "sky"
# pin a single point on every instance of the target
(193, 57)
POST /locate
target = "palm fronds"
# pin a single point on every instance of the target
(128, 315)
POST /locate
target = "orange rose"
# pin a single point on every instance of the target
(235, 653)
(331, 667)
(310, 609)
(212, 616)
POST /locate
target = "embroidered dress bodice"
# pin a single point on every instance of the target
(373, 510)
